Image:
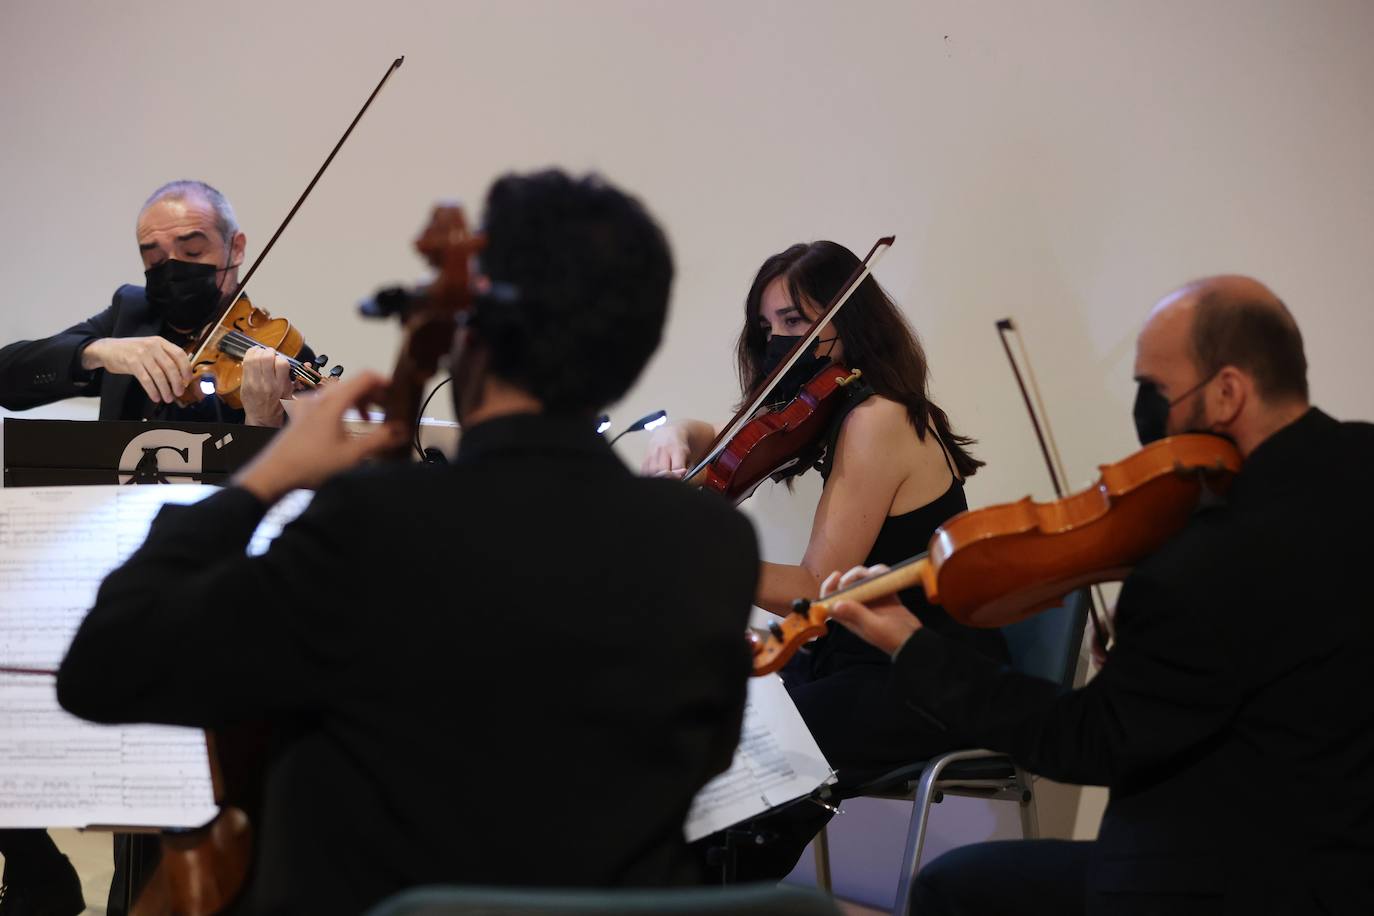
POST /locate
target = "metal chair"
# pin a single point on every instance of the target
(741, 900)
(1045, 646)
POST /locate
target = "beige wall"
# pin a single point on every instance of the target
(1062, 162)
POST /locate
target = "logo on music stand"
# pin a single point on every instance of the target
(158, 454)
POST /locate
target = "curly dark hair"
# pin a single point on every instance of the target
(585, 273)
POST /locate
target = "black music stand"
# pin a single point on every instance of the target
(45, 453)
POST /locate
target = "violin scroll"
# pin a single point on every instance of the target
(785, 637)
(431, 315)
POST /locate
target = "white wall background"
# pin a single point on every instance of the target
(1062, 162)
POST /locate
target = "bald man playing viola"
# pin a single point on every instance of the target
(1233, 720)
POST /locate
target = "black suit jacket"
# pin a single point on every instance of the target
(516, 670)
(1234, 719)
(38, 372)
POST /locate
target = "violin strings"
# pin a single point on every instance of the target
(242, 343)
(236, 344)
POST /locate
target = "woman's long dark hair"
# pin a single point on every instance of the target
(876, 337)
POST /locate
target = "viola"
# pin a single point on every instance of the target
(242, 327)
(994, 566)
(431, 316)
(759, 443)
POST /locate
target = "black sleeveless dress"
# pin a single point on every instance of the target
(840, 685)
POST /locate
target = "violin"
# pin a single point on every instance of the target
(241, 327)
(994, 566)
(771, 444)
(204, 871)
(759, 443)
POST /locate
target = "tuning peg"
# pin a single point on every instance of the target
(336, 372)
(319, 361)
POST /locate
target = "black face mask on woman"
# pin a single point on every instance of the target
(802, 371)
(183, 293)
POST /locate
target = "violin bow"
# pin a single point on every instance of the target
(860, 273)
(262, 256)
(1049, 449)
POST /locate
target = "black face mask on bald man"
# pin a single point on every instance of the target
(1151, 410)
(183, 293)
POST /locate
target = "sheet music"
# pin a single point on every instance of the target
(56, 546)
(777, 761)
(58, 771)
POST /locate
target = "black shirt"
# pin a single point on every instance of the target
(1234, 719)
(38, 372)
(515, 670)
(900, 538)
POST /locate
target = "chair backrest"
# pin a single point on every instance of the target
(739, 900)
(1045, 645)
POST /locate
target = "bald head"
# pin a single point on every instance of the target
(1220, 355)
(1229, 321)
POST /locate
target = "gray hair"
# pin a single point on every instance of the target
(225, 221)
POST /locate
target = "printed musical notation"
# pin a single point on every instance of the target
(57, 544)
(58, 771)
(777, 761)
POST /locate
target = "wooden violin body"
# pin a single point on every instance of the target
(220, 354)
(769, 445)
(757, 442)
(994, 566)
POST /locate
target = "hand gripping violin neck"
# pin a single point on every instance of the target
(994, 566)
(239, 329)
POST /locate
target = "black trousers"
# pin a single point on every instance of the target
(1056, 877)
(29, 850)
(863, 729)
(32, 852)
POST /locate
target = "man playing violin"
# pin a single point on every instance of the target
(1234, 718)
(130, 355)
(483, 672)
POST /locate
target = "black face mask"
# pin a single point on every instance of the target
(1151, 410)
(183, 293)
(802, 371)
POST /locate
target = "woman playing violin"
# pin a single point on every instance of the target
(894, 470)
